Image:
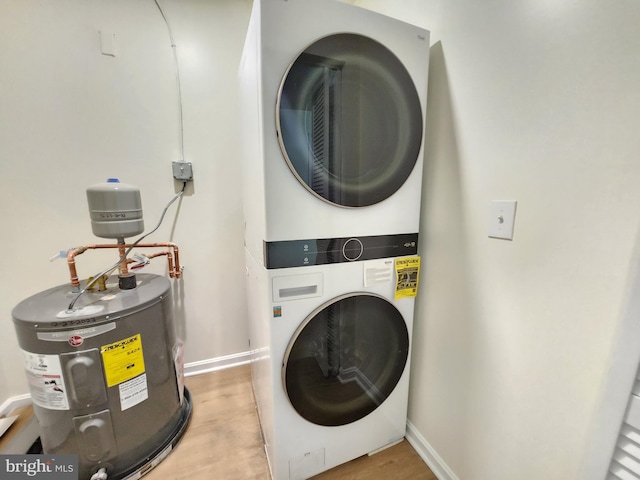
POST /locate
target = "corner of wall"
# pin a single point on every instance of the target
(437, 465)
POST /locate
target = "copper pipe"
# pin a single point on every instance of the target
(71, 254)
(173, 261)
(123, 265)
(172, 274)
(157, 254)
(177, 270)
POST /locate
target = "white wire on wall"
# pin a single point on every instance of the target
(175, 58)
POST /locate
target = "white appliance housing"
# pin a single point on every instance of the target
(376, 124)
(374, 356)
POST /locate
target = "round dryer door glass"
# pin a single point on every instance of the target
(345, 359)
(349, 120)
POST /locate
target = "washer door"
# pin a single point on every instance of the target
(345, 359)
(349, 120)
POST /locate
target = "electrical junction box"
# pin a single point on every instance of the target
(183, 171)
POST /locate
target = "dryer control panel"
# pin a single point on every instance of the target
(301, 253)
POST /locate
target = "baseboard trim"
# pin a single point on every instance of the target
(24, 432)
(437, 465)
(217, 363)
(11, 403)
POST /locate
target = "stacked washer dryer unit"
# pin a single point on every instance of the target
(333, 102)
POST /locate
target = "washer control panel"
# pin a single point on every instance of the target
(300, 253)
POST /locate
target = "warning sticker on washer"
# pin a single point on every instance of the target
(123, 360)
(133, 392)
(46, 382)
(407, 277)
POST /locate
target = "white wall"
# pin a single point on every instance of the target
(71, 117)
(535, 101)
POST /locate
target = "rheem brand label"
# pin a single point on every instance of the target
(76, 340)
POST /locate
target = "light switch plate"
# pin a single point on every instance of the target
(502, 219)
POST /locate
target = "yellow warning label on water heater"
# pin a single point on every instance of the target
(122, 360)
(407, 277)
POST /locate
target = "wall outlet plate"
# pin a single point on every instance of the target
(183, 171)
(502, 219)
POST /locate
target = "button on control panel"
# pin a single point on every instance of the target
(352, 249)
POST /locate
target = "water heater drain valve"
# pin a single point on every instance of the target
(100, 475)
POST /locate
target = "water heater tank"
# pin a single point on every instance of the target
(105, 379)
(115, 209)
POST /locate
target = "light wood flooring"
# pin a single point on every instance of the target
(223, 441)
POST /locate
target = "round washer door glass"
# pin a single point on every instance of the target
(349, 120)
(345, 359)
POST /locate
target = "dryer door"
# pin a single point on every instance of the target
(349, 120)
(345, 359)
